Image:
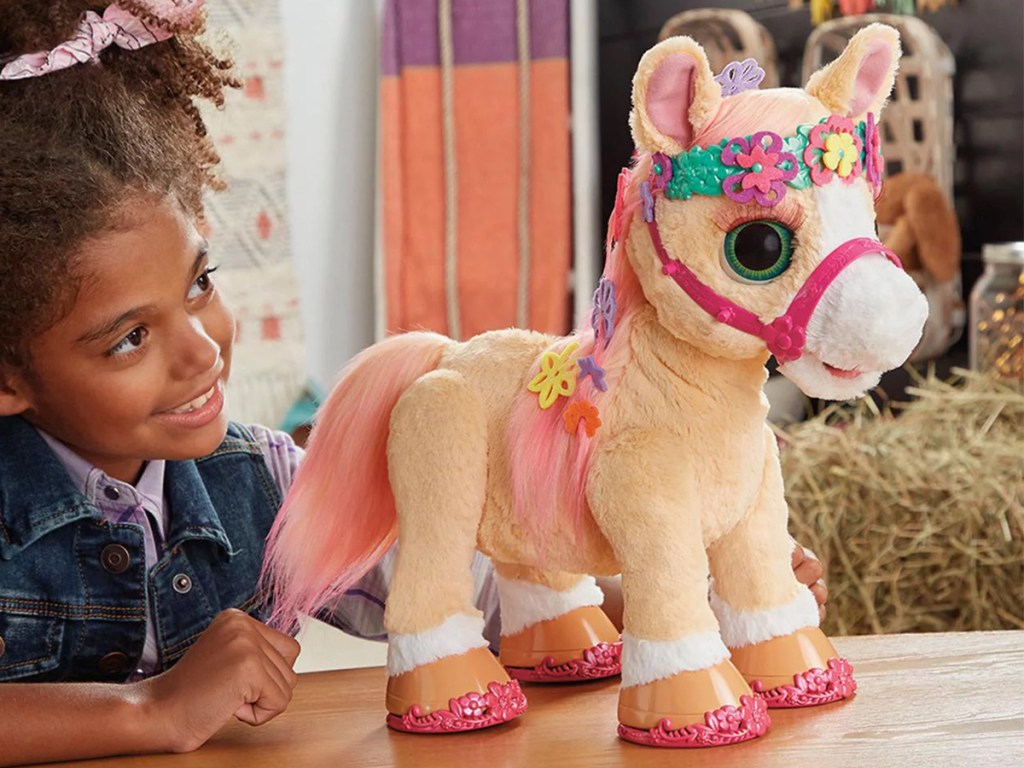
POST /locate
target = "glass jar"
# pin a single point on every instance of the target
(997, 313)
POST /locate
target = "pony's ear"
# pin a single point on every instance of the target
(674, 96)
(861, 79)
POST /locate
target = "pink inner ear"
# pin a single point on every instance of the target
(871, 77)
(669, 95)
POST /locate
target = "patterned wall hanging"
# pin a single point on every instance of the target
(249, 221)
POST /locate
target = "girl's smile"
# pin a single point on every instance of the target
(198, 411)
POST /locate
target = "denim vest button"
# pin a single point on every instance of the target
(115, 558)
(112, 493)
(182, 584)
(3, 646)
(112, 663)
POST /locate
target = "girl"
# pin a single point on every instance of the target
(132, 512)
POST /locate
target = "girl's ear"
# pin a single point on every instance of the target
(674, 96)
(861, 79)
(13, 392)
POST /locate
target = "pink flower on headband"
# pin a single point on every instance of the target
(96, 33)
(661, 171)
(767, 169)
(833, 147)
(873, 162)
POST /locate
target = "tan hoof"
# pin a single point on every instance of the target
(710, 707)
(775, 661)
(797, 670)
(682, 698)
(582, 644)
(433, 686)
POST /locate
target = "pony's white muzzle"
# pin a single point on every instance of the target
(869, 321)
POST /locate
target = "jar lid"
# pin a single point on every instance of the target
(1003, 253)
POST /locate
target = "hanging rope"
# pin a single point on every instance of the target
(451, 176)
(523, 205)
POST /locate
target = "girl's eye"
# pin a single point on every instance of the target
(131, 342)
(758, 251)
(202, 284)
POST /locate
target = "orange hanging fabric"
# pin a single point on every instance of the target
(475, 165)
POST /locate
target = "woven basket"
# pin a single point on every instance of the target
(917, 125)
(727, 35)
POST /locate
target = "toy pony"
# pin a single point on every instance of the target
(636, 445)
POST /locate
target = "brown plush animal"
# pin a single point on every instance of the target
(917, 221)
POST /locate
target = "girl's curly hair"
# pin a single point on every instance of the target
(78, 144)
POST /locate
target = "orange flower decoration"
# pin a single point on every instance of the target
(581, 410)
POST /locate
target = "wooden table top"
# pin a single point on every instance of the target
(930, 700)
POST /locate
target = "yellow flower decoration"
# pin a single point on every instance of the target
(841, 153)
(557, 377)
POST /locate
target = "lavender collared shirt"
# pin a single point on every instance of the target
(358, 612)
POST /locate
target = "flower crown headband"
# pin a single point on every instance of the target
(96, 33)
(760, 167)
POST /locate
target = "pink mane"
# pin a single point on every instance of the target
(548, 466)
(779, 110)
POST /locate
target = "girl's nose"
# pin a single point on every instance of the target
(196, 351)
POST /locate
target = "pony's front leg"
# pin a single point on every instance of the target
(552, 627)
(769, 620)
(441, 675)
(679, 688)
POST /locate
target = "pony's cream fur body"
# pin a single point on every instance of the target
(681, 482)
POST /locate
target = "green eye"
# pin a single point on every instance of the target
(758, 251)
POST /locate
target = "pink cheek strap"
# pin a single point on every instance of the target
(786, 334)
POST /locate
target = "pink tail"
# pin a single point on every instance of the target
(339, 517)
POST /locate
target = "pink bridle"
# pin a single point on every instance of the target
(786, 334)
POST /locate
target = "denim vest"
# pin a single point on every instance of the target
(74, 588)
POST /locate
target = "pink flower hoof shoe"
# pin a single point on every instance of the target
(600, 661)
(811, 688)
(726, 725)
(502, 702)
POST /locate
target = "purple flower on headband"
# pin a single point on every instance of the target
(872, 153)
(740, 76)
(661, 171)
(767, 169)
(648, 200)
(602, 318)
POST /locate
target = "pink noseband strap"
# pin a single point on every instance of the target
(786, 334)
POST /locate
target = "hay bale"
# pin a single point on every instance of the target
(918, 517)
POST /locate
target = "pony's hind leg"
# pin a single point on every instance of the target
(769, 620)
(441, 675)
(552, 627)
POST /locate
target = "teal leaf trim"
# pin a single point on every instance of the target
(700, 171)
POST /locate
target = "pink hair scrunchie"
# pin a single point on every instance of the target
(96, 33)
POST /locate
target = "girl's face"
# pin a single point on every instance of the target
(137, 369)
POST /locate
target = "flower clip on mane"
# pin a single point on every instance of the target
(96, 33)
